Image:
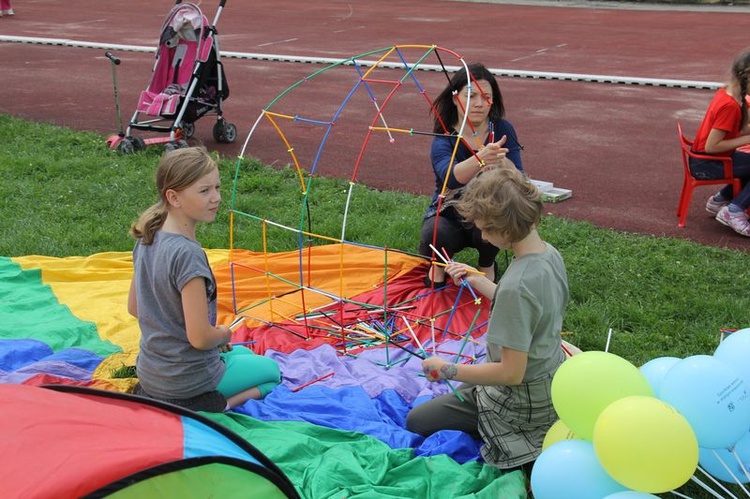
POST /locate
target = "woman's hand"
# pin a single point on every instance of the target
(436, 369)
(494, 154)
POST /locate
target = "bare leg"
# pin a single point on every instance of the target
(436, 273)
(242, 397)
(489, 272)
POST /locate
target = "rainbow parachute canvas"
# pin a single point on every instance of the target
(334, 427)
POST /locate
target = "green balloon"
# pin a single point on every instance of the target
(588, 382)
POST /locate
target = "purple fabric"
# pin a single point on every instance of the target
(364, 395)
(369, 369)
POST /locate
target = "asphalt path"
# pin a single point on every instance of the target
(613, 144)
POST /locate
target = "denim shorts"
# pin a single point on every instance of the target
(706, 169)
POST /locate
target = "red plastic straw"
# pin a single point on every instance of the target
(300, 387)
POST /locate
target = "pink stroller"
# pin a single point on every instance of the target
(187, 83)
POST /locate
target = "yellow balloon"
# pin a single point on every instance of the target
(645, 444)
(557, 433)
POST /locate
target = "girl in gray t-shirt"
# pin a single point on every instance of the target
(184, 357)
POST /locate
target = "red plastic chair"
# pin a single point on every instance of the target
(689, 182)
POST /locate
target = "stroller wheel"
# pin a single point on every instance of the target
(138, 143)
(225, 132)
(126, 145)
(230, 133)
(188, 129)
(175, 144)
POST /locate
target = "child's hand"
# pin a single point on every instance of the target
(436, 369)
(459, 271)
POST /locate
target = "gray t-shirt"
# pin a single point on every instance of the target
(168, 366)
(527, 311)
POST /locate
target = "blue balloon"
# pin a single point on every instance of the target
(711, 461)
(712, 396)
(735, 351)
(569, 469)
(631, 494)
(656, 369)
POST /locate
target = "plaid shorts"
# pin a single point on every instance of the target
(513, 421)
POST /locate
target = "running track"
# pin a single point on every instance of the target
(614, 145)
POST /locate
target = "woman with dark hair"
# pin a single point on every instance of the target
(472, 136)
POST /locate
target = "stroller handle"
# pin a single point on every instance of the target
(222, 3)
(112, 57)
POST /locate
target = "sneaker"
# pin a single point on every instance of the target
(8, 12)
(713, 206)
(737, 221)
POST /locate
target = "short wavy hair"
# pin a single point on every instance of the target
(505, 201)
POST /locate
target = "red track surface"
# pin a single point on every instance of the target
(614, 145)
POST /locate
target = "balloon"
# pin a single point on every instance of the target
(645, 444)
(558, 432)
(631, 494)
(713, 398)
(588, 382)
(570, 470)
(734, 350)
(712, 464)
(656, 369)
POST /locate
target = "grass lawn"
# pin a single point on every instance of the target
(64, 193)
